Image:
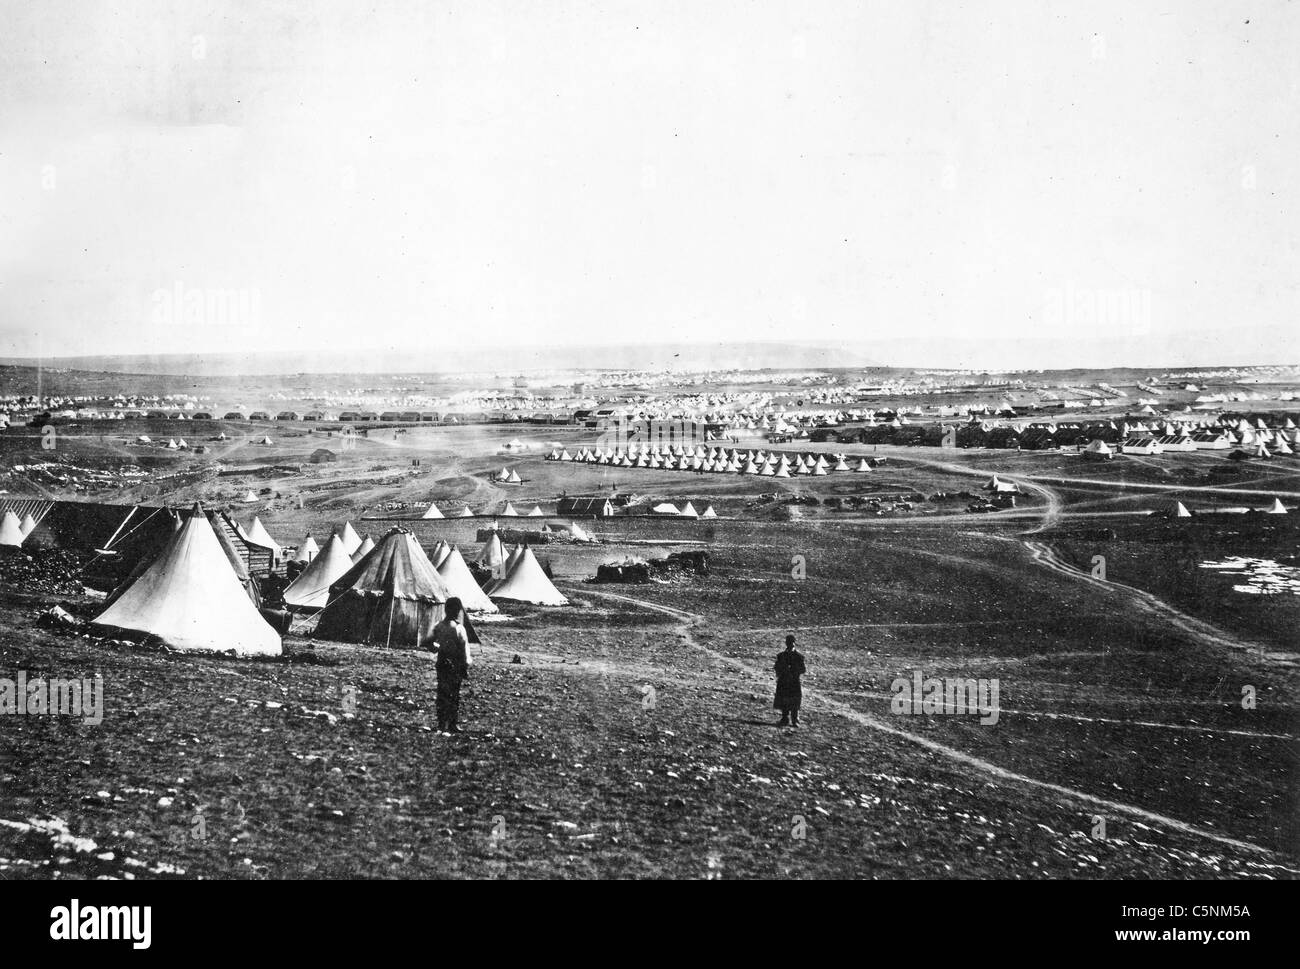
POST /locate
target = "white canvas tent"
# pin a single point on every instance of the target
(348, 534)
(307, 551)
(493, 555)
(363, 549)
(461, 582)
(311, 589)
(440, 552)
(190, 598)
(258, 535)
(432, 512)
(11, 530)
(526, 582)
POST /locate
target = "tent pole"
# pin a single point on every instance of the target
(392, 604)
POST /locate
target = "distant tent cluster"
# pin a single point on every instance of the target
(433, 512)
(193, 590)
(507, 476)
(717, 460)
(1244, 437)
(509, 511)
(667, 508)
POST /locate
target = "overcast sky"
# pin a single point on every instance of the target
(179, 177)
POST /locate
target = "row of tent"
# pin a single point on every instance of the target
(688, 511)
(717, 460)
(191, 596)
(519, 576)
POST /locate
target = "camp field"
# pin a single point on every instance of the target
(631, 733)
(1108, 715)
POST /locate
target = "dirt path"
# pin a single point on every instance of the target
(688, 621)
(1204, 633)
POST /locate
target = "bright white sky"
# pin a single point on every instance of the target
(564, 172)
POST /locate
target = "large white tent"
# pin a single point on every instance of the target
(190, 598)
(311, 589)
(461, 582)
(526, 582)
(432, 512)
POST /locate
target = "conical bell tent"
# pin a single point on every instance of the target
(363, 549)
(432, 512)
(307, 551)
(393, 597)
(258, 535)
(351, 540)
(526, 582)
(190, 598)
(311, 589)
(439, 553)
(493, 555)
(461, 582)
(11, 530)
(501, 571)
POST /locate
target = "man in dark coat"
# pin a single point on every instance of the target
(789, 693)
(453, 664)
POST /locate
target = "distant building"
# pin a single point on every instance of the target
(586, 507)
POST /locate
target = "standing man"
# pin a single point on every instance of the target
(453, 664)
(789, 667)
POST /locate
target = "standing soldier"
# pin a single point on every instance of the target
(453, 665)
(789, 667)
